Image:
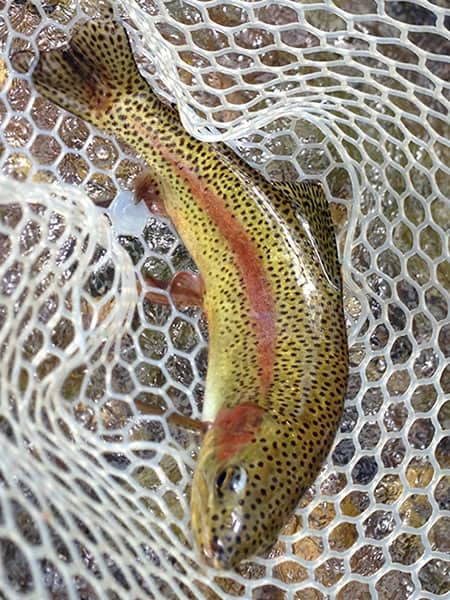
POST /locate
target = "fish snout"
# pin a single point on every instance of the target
(215, 554)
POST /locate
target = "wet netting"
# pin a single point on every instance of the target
(94, 493)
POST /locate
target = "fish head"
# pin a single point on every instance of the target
(244, 487)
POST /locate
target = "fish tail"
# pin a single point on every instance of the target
(94, 71)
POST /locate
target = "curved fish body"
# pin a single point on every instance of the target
(277, 362)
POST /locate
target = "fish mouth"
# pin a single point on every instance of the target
(211, 549)
(215, 555)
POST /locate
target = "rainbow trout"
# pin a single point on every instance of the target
(277, 362)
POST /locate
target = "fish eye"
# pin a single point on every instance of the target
(232, 479)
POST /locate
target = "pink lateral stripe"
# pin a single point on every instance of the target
(253, 275)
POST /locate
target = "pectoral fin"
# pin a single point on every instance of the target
(174, 418)
(150, 190)
(185, 288)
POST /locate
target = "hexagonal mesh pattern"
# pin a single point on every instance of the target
(94, 494)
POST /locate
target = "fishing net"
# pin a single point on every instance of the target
(94, 490)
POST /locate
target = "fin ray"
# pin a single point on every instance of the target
(95, 68)
(312, 210)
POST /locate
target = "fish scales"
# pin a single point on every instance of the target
(277, 356)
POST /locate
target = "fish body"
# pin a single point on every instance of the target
(277, 356)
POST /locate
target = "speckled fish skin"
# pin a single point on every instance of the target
(277, 341)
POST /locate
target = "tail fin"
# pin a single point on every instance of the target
(94, 70)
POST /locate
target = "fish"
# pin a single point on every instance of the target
(269, 284)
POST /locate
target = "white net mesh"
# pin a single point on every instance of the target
(93, 495)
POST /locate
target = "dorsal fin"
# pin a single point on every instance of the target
(313, 213)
